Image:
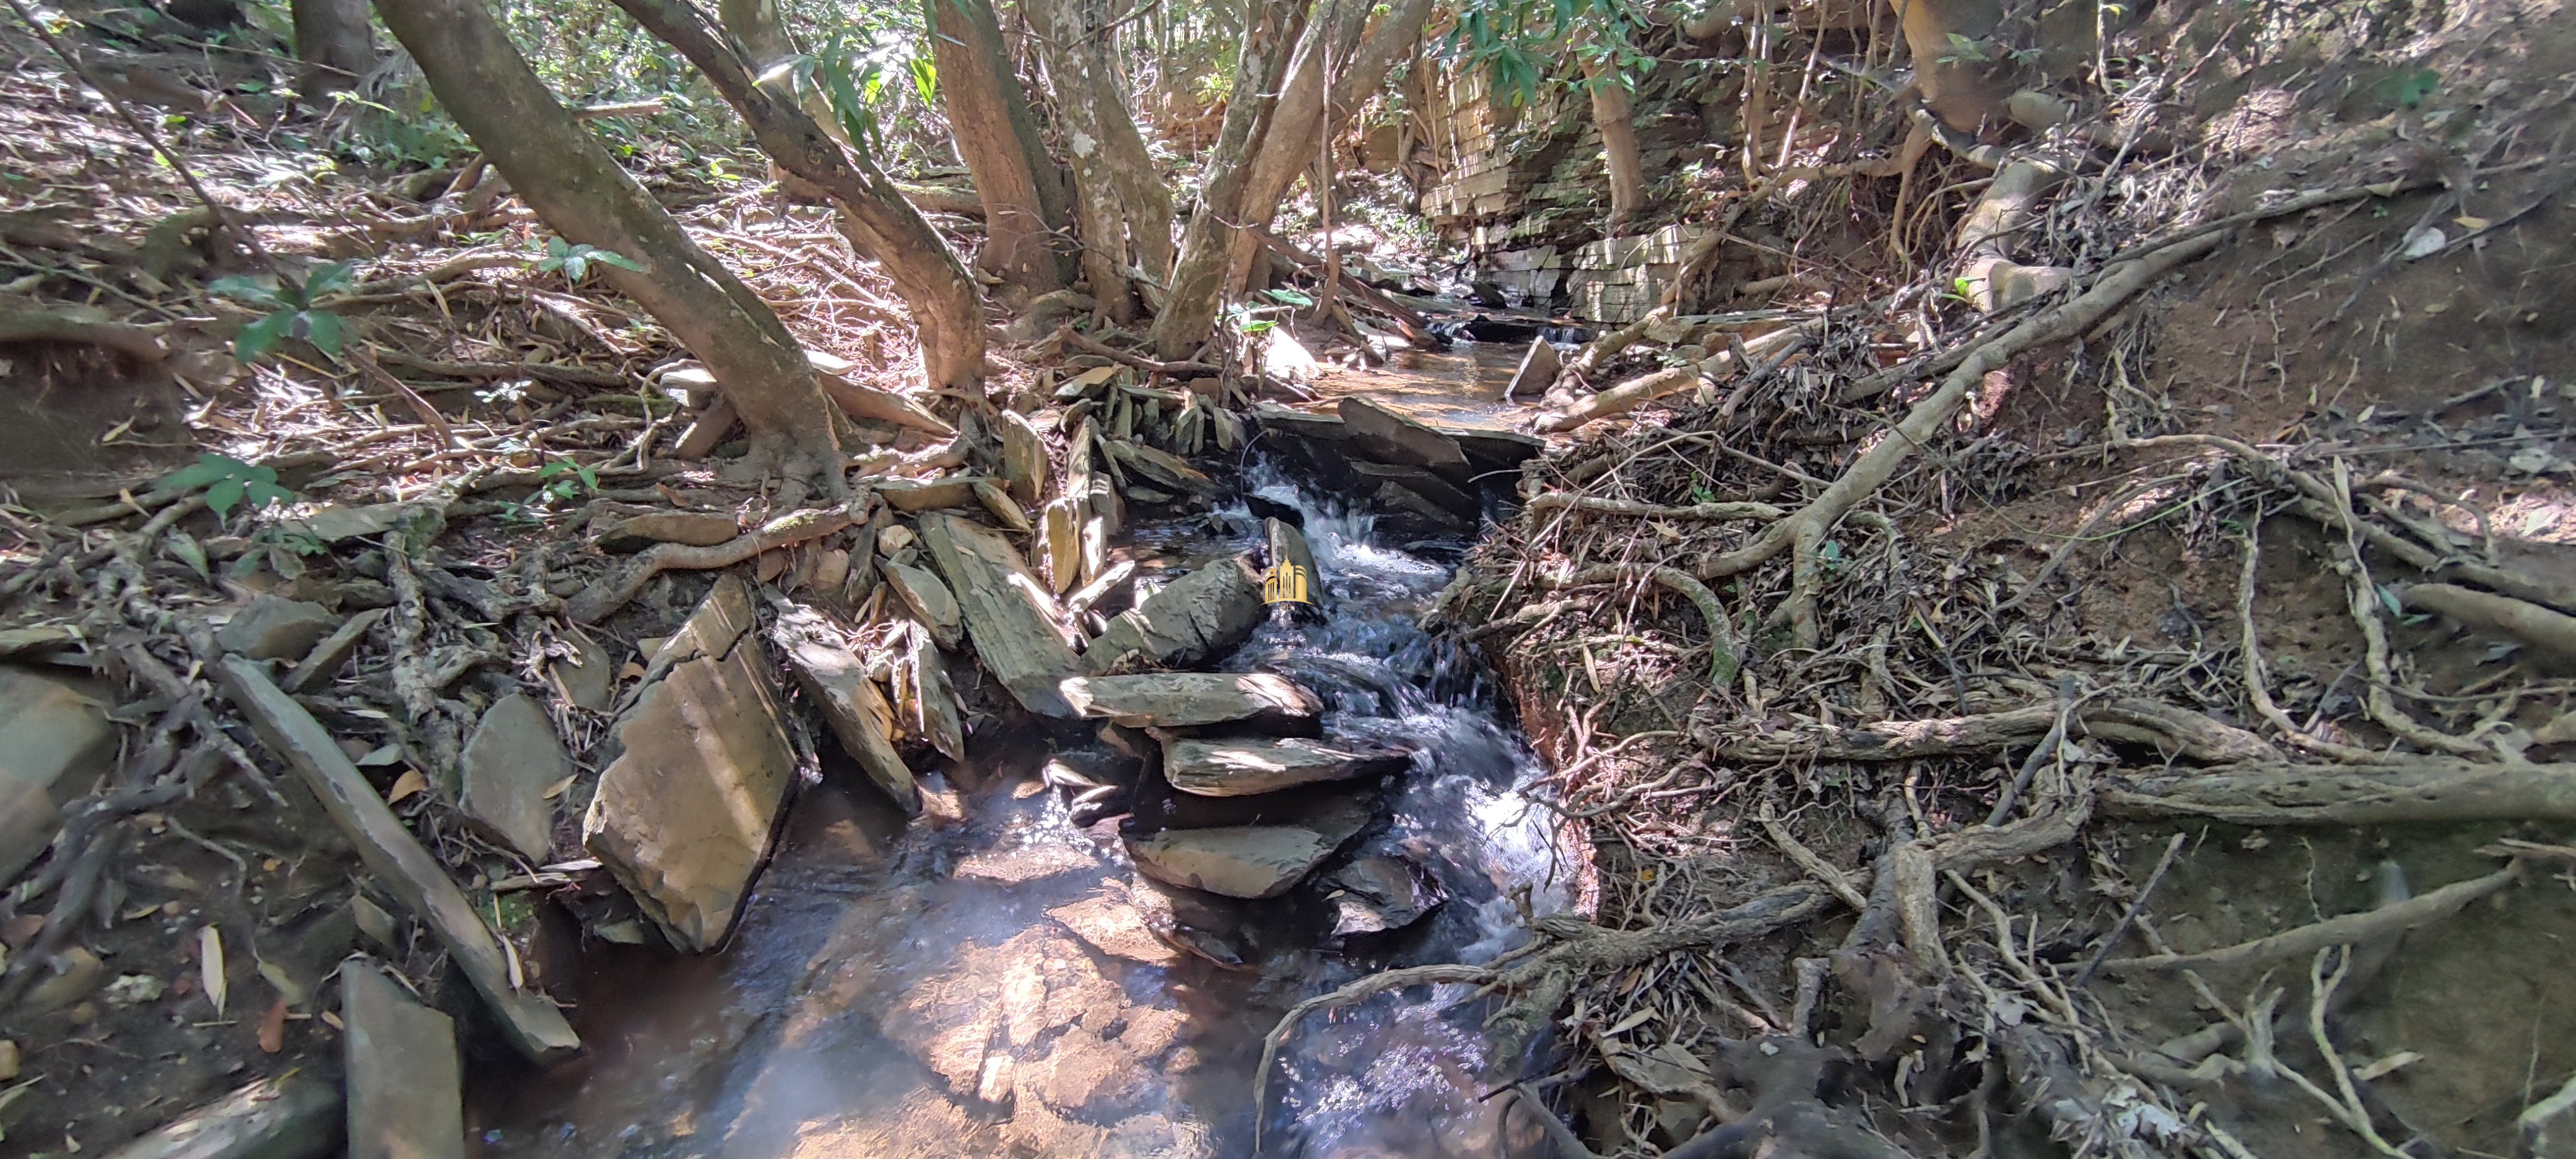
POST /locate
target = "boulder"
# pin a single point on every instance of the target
(683, 817)
(509, 763)
(693, 528)
(1264, 702)
(1192, 620)
(54, 742)
(859, 715)
(929, 600)
(275, 628)
(406, 1089)
(1008, 614)
(1243, 766)
(1249, 861)
(1375, 894)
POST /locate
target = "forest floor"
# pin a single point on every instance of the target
(2085, 543)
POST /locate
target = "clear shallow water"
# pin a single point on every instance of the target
(907, 991)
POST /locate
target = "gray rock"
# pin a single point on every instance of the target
(509, 763)
(56, 742)
(1375, 894)
(295, 1117)
(406, 1092)
(1271, 704)
(1537, 371)
(275, 628)
(693, 528)
(916, 495)
(1194, 619)
(683, 817)
(929, 600)
(1454, 502)
(1249, 861)
(588, 677)
(1006, 612)
(1244, 766)
(1024, 458)
(1288, 546)
(326, 657)
(859, 716)
(1394, 437)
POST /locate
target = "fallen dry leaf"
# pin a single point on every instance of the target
(210, 966)
(272, 1029)
(409, 784)
(557, 789)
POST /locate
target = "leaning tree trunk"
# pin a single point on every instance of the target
(1198, 277)
(563, 173)
(1123, 206)
(997, 138)
(1304, 115)
(1616, 116)
(334, 42)
(873, 213)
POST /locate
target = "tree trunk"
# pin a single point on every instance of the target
(563, 173)
(1290, 146)
(873, 213)
(333, 40)
(1616, 116)
(1198, 277)
(1124, 207)
(997, 138)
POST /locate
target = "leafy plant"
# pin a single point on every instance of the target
(575, 260)
(1291, 297)
(564, 479)
(228, 482)
(291, 310)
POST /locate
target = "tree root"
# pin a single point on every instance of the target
(2128, 720)
(613, 591)
(2343, 929)
(1922, 424)
(1558, 500)
(1725, 654)
(2550, 631)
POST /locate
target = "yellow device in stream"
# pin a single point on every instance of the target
(1285, 583)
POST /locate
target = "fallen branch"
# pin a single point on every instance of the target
(1928, 418)
(541, 371)
(63, 326)
(2131, 720)
(1725, 654)
(2549, 631)
(612, 591)
(1081, 341)
(2420, 789)
(2340, 930)
(1558, 500)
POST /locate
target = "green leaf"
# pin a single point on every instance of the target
(206, 469)
(256, 338)
(224, 496)
(613, 258)
(266, 494)
(576, 267)
(183, 547)
(1258, 326)
(553, 469)
(1291, 297)
(323, 329)
(925, 78)
(333, 277)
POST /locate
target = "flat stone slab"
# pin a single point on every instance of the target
(1376, 894)
(1186, 699)
(294, 1117)
(509, 763)
(929, 600)
(1192, 620)
(859, 716)
(1250, 861)
(275, 628)
(916, 495)
(1115, 928)
(57, 742)
(406, 1089)
(1244, 766)
(683, 817)
(1400, 438)
(1008, 612)
(589, 677)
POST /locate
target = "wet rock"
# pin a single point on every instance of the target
(1447, 501)
(1259, 700)
(683, 816)
(273, 628)
(1115, 928)
(1021, 864)
(1243, 766)
(1288, 548)
(401, 867)
(508, 764)
(1081, 1072)
(859, 716)
(1151, 1030)
(1008, 614)
(57, 742)
(1375, 894)
(1192, 620)
(1537, 371)
(406, 1098)
(693, 528)
(588, 678)
(929, 601)
(1249, 861)
(295, 1117)
(1393, 437)
(934, 699)
(1192, 921)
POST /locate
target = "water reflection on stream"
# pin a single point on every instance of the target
(906, 991)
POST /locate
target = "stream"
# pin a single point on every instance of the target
(978, 983)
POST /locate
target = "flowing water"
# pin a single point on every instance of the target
(921, 990)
